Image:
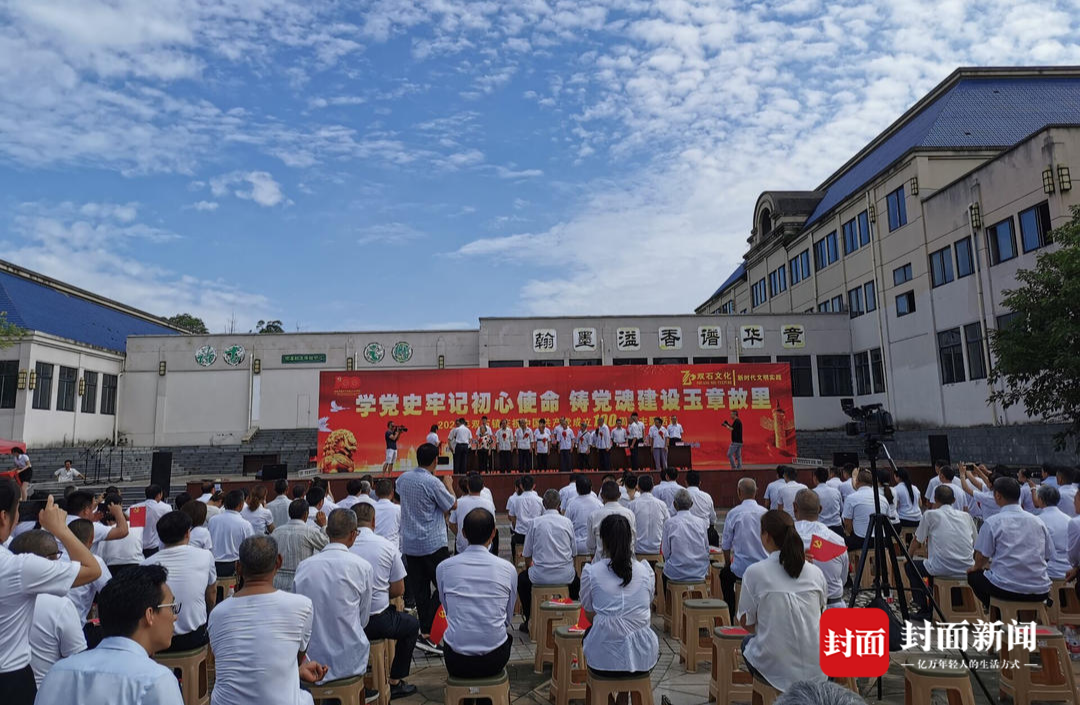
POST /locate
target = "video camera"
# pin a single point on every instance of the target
(870, 421)
(398, 428)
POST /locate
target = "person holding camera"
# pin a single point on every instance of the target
(734, 453)
(393, 432)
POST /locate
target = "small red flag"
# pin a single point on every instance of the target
(822, 550)
(583, 621)
(438, 626)
(137, 517)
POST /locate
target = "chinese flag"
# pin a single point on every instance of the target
(822, 550)
(583, 621)
(438, 626)
(137, 517)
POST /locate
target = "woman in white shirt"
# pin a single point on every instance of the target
(616, 594)
(200, 535)
(433, 435)
(907, 500)
(256, 513)
(781, 603)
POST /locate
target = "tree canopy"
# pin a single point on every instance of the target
(189, 322)
(269, 327)
(9, 332)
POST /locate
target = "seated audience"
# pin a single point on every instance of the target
(686, 543)
(948, 475)
(1057, 522)
(465, 504)
(649, 517)
(477, 590)
(949, 535)
(227, 531)
(357, 492)
(859, 506)
(216, 505)
(780, 604)
(207, 491)
(527, 506)
(340, 583)
(568, 492)
(741, 541)
(387, 514)
(628, 488)
(786, 493)
(192, 579)
(279, 505)
(137, 612)
(388, 582)
(669, 485)
(83, 596)
(549, 554)
(260, 635)
(296, 541)
(847, 472)
(616, 594)
(80, 505)
(320, 506)
(908, 508)
(609, 493)
(832, 504)
(1019, 546)
(703, 507)
(578, 510)
(200, 535)
(156, 508)
(1066, 481)
(256, 513)
(126, 553)
(810, 528)
(57, 629)
(772, 490)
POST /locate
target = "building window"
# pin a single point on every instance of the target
(870, 296)
(862, 372)
(897, 209)
(630, 361)
(778, 280)
(901, 275)
(89, 398)
(1005, 319)
(506, 363)
(864, 229)
(834, 375)
(66, 385)
(546, 363)
(965, 259)
(729, 307)
(9, 381)
(824, 307)
(711, 360)
(951, 356)
(1035, 227)
(1001, 241)
(802, 374)
(941, 271)
(877, 369)
(758, 293)
(851, 237)
(837, 303)
(108, 394)
(825, 251)
(854, 302)
(905, 303)
(586, 362)
(800, 266)
(670, 360)
(43, 390)
(754, 358)
(973, 340)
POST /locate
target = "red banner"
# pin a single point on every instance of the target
(355, 407)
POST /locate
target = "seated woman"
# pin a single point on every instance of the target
(616, 594)
(781, 603)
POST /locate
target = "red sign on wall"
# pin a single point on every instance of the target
(354, 407)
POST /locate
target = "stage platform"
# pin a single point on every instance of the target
(720, 483)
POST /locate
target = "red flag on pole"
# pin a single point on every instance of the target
(822, 550)
(137, 517)
(438, 626)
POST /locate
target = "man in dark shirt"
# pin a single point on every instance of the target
(734, 453)
(392, 433)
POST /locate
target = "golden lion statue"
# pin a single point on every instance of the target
(338, 450)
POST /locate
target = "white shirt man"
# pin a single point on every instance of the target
(772, 490)
(385, 561)
(566, 437)
(340, 583)
(567, 493)
(433, 439)
(279, 509)
(846, 488)
(636, 429)
(742, 536)
(703, 508)
(832, 504)
(388, 520)
(83, 597)
(658, 436)
(1057, 522)
(602, 437)
(685, 547)
(154, 511)
(504, 439)
(56, 633)
(665, 492)
(675, 431)
(649, 516)
(578, 511)
(523, 437)
(191, 575)
(594, 545)
(584, 441)
(1018, 545)
(542, 438)
(459, 434)
(858, 507)
(949, 535)
(811, 529)
(961, 502)
(457, 516)
(618, 436)
(550, 543)
(67, 473)
(478, 592)
(786, 496)
(227, 531)
(528, 507)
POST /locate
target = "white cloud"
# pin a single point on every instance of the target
(205, 205)
(388, 234)
(260, 187)
(508, 173)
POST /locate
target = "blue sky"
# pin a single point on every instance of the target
(422, 163)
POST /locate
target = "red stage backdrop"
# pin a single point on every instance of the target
(354, 407)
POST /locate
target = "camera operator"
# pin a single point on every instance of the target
(393, 432)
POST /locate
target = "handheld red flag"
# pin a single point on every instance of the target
(822, 550)
(583, 621)
(137, 517)
(438, 626)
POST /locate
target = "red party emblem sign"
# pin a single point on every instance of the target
(854, 642)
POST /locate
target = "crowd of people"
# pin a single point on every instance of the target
(87, 599)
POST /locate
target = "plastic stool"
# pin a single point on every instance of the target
(1052, 680)
(548, 616)
(1010, 609)
(715, 588)
(598, 689)
(728, 682)
(569, 671)
(679, 591)
(969, 607)
(704, 614)
(496, 689)
(659, 602)
(1066, 609)
(190, 667)
(920, 683)
(540, 595)
(226, 585)
(763, 693)
(379, 669)
(345, 691)
(580, 561)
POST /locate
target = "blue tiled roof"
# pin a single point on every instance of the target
(38, 307)
(738, 274)
(975, 112)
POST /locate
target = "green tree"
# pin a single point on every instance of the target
(190, 323)
(269, 327)
(1038, 351)
(9, 332)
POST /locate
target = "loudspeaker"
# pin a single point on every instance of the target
(939, 448)
(161, 470)
(279, 471)
(841, 459)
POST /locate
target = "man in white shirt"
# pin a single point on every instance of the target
(772, 499)
(847, 486)
(1057, 522)
(83, 597)
(858, 507)
(466, 504)
(835, 477)
(137, 614)
(549, 554)
(1066, 486)
(319, 504)
(947, 474)
(527, 507)
(542, 438)
(357, 490)
(650, 514)
(279, 506)
(785, 497)
(949, 535)
(67, 473)
(807, 508)
(1019, 544)
(658, 442)
(741, 540)
(340, 583)
(635, 436)
(207, 491)
(578, 511)
(619, 440)
(628, 489)
(523, 440)
(80, 505)
(57, 630)
(584, 446)
(155, 509)
(565, 437)
(227, 531)
(191, 578)
(388, 582)
(504, 444)
(459, 441)
(832, 504)
(602, 442)
(685, 545)
(609, 493)
(668, 487)
(387, 514)
(703, 507)
(568, 492)
(675, 429)
(296, 541)
(260, 635)
(477, 590)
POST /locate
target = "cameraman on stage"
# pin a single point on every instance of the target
(393, 432)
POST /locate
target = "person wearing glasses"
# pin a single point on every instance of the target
(192, 579)
(137, 612)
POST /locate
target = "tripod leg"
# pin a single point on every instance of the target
(856, 581)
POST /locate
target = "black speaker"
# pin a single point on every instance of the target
(841, 459)
(939, 447)
(279, 471)
(161, 470)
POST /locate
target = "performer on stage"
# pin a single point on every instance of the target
(523, 435)
(393, 432)
(602, 441)
(459, 441)
(635, 433)
(484, 442)
(619, 437)
(734, 453)
(504, 442)
(566, 437)
(584, 445)
(433, 436)
(542, 436)
(674, 430)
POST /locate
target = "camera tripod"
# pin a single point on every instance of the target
(882, 539)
